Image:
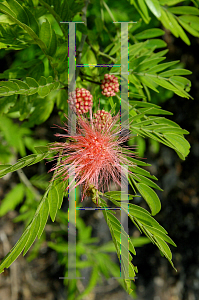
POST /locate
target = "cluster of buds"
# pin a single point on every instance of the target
(109, 85)
(81, 100)
(101, 119)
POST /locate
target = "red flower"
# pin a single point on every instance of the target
(95, 154)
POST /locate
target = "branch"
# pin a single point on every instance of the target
(82, 75)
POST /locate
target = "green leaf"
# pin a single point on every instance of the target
(61, 188)
(44, 212)
(181, 82)
(41, 149)
(15, 252)
(167, 129)
(164, 248)
(165, 20)
(21, 163)
(154, 7)
(136, 62)
(165, 84)
(143, 104)
(160, 234)
(192, 21)
(2, 167)
(163, 120)
(116, 48)
(108, 247)
(44, 87)
(32, 82)
(146, 181)
(91, 58)
(136, 48)
(107, 49)
(170, 127)
(156, 43)
(32, 234)
(138, 162)
(149, 63)
(32, 22)
(142, 9)
(12, 199)
(144, 222)
(179, 142)
(6, 103)
(117, 195)
(53, 200)
(150, 196)
(170, 2)
(61, 54)
(148, 82)
(149, 33)
(177, 29)
(48, 36)
(18, 10)
(42, 111)
(162, 66)
(140, 241)
(20, 19)
(143, 216)
(155, 111)
(189, 28)
(65, 10)
(143, 172)
(34, 228)
(61, 247)
(175, 72)
(115, 228)
(186, 10)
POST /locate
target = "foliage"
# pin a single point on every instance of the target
(35, 85)
(90, 254)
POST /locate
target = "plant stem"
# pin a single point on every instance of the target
(91, 118)
(108, 56)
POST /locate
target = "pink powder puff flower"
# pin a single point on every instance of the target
(95, 154)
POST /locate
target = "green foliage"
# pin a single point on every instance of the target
(147, 72)
(34, 229)
(158, 128)
(145, 223)
(36, 84)
(12, 199)
(23, 162)
(174, 18)
(30, 87)
(95, 257)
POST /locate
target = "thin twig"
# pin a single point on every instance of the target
(90, 80)
(96, 82)
(108, 56)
